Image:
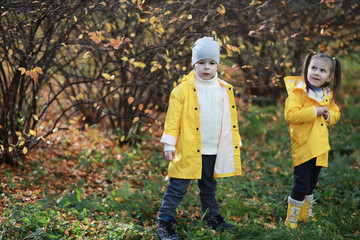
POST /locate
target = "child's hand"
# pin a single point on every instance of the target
(170, 155)
(322, 111)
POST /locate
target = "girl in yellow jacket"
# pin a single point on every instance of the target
(309, 108)
(201, 137)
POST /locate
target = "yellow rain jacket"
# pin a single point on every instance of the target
(182, 129)
(309, 133)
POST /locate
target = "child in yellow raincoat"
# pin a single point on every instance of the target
(309, 109)
(201, 138)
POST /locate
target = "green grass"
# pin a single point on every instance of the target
(126, 207)
(101, 196)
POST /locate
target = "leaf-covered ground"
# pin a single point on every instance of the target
(89, 188)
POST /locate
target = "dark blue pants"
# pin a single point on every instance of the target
(176, 191)
(306, 177)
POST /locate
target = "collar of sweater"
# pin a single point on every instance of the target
(318, 96)
(206, 83)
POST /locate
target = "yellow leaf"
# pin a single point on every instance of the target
(22, 70)
(21, 143)
(80, 96)
(152, 20)
(148, 111)
(106, 76)
(130, 100)
(18, 133)
(221, 9)
(139, 64)
(125, 59)
(32, 132)
(136, 119)
(35, 117)
(108, 27)
(167, 12)
(10, 149)
(64, 44)
(75, 18)
(122, 138)
(96, 36)
(119, 199)
(38, 70)
(25, 150)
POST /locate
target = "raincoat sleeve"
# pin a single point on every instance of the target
(173, 118)
(334, 113)
(295, 113)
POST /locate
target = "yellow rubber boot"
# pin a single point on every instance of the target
(293, 212)
(306, 212)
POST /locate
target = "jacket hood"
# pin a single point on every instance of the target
(296, 82)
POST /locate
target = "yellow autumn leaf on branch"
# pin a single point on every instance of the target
(38, 70)
(22, 70)
(25, 150)
(80, 96)
(130, 100)
(140, 19)
(106, 76)
(139, 64)
(221, 9)
(136, 119)
(32, 132)
(96, 36)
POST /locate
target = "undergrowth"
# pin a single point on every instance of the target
(115, 193)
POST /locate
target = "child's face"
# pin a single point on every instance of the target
(206, 68)
(319, 71)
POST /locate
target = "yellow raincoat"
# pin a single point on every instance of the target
(182, 129)
(309, 133)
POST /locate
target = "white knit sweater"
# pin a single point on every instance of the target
(210, 99)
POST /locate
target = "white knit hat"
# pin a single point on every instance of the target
(205, 47)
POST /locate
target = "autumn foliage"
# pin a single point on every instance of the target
(83, 94)
(67, 65)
